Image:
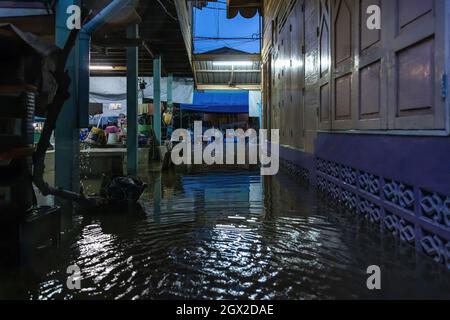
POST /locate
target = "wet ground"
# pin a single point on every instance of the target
(226, 235)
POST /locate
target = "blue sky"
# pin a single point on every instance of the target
(212, 22)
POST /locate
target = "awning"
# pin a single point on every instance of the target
(219, 102)
(247, 8)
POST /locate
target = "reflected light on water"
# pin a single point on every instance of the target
(231, 236)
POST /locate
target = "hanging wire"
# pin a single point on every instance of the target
(166, 11)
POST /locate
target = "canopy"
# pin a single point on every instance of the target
(219, 102)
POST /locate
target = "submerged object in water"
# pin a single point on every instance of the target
(123, 190)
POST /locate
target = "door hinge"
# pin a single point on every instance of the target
(444, 86)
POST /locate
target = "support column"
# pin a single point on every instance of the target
(157, 99)
(132, 103)
(67, 145)
(170, 103)
(83, 79)
(170, 89)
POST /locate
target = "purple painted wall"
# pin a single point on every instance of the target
(400, 183)
(419, 161)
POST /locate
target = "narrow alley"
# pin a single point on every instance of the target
(224, 150)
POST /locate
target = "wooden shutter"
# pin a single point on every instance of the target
(343, 78)
(416, 38)
(296, 98)
(372, 84)
(324, 32)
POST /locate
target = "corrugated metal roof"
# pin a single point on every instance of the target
(208, 73)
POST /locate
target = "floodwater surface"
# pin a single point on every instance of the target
(227, 235)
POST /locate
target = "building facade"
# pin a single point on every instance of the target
(363, 113)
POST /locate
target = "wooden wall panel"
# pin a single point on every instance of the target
(330, 72)
(325, 103)
(410, 10)
(286, 98)
(343, 38)
(312, 16)
(324, 35)
(371, 71)
(415, 79)
(283, 88)
(417, 46)
(325, 64)
(370, 91)
(368, 37)
(297, 29)
(343, 32)
(343, 98)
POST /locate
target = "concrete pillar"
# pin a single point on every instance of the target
(132, 103)
(67, 145)
(157, 99)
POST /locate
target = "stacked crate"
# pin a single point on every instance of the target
(17, 104)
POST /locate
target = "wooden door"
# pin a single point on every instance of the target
(276, 78)
(324, 112)
(285, 84)
(267, 102)
(297, 76)
(416, 35)
(343, 76)
(372, 68)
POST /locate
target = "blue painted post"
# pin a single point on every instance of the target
(132, 103)
(85, 45)
(67, 146)
(83, 82)
(170, 89)
(157, 99)
(170, 102)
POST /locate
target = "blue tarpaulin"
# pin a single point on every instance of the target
(219, 102)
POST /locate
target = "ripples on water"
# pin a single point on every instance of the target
(229, 236)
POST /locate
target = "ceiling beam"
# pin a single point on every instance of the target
(253, 87)
(228, 57)
(228, 71)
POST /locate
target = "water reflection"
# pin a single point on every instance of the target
(228, 236)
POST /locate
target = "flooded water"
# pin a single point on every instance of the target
(229, 235)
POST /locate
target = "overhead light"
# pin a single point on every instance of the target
(233, 63)
(107, 68)
(101, 68)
